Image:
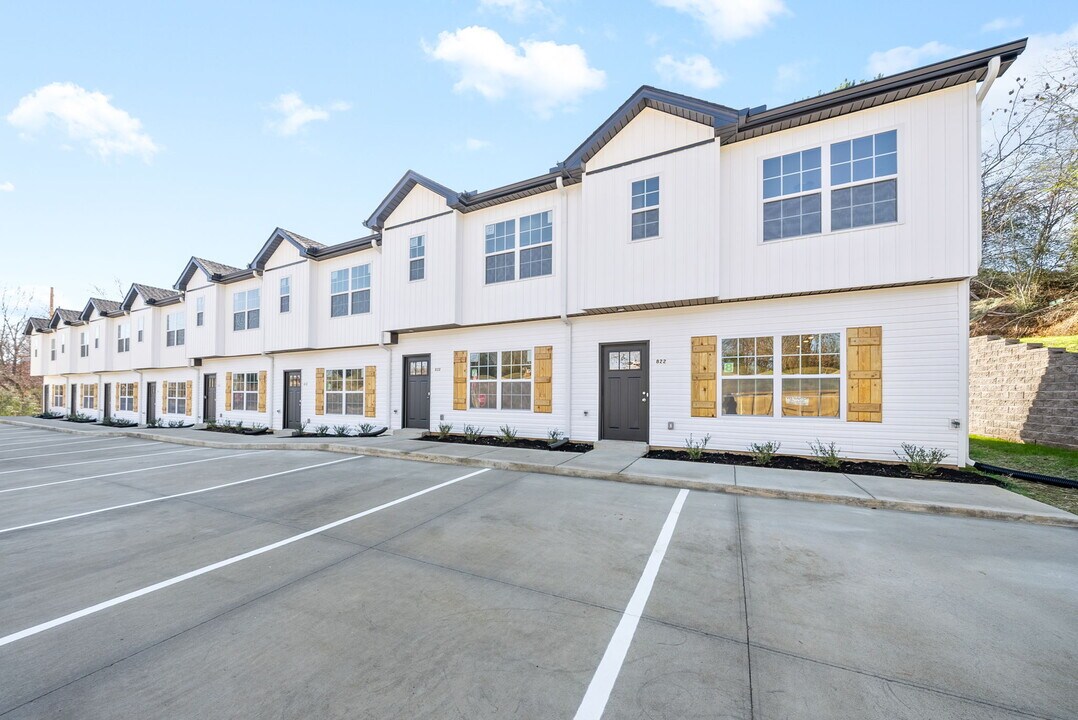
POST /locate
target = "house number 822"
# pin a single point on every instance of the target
(660, 361)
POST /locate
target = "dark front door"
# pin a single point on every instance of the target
(293, 386)
(74, 402)
(624, 400)
(209, 397)
(417, 391)
(45, 398)
(151, 402)
(107, 407)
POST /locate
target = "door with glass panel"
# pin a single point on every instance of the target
(624, 391)
(417, 391)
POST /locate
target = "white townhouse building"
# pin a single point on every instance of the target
(787, 274)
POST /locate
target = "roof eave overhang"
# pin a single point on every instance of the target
(404, 186)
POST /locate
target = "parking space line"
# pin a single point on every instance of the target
(28, 632)
(598, 693)
(10, 447)
(173, 496)
(91, 462)
(128, 472)
(75, 452)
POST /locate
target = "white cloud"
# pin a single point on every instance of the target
(904, 57)
(695, 70)
(790, 75)
(1040, 51)
(476, 144)
(294, 113)
(87, 117)
(547, 74)
(516, 10)
(730, 19)
(1001, 23)
(7, 187)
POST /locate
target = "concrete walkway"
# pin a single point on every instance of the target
(624, 462)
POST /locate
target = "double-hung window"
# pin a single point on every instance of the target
(84, 345)
(52, 349)
(501, 242)
(792, 199)
(748, 369)
(123, 338)
(176, 398)
(286, 294)
(500, 380)
(125, 397)
(811, 365)
(536, 244)
(350, 291)
(645, 198)
(417, 257)
(200, 311)
(344, 391)
(58, 395)
(245, 391)
(175, 324)
(89, 396)
(97, 338)
(245, 309)
(864, 180)
(141, 327)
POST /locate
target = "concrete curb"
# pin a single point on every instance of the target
(481, 462)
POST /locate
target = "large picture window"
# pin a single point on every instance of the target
(500, 380)
(748, 369)
(350, 291)
(245, 309)
(245, 391)
(125, 397)
(811, 365)
(344, 391)
(791, 194)
(176, 398)
(861, 163)
(174, 329)
(645, 202)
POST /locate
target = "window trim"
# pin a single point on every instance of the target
(515, 252)
(344, 392)
(200, 310)
(84, 345)
(175, 337)
(179, 398)
(499, 380)
(246, 392)
(247, 309)
(421, 258)
(645, 177)
(84, 396)
(349, 292)
(284, 299)
(840, 375)
(129, 396)
(774, 377)
(123, 340)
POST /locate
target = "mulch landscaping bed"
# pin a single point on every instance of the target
(525, 443)
(788, 462)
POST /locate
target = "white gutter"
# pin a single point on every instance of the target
(989, 78)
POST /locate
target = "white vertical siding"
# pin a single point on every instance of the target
(431, 301)
(650, 132)
(243, 342)
(361, 329)
(418, 203)
(292, 329)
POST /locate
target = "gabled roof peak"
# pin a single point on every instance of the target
(404, 186)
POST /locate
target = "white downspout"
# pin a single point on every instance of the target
(989, 78)
(564, 213)
(382, 339)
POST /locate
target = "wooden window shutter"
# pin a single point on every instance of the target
(116, 395)
(319, 391)
(228, 391)
(370, 390)
(134, 398)
(187, 398)
(460, 380)
(704, 380)
(864, 374)
(544, 360)
(261, 391)
(164, 396)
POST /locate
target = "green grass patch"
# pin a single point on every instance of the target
(1031, 458)
(1070, 342)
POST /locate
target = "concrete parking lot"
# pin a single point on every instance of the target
(142, 579)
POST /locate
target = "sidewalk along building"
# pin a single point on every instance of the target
(784, 274)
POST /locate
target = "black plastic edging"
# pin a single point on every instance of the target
(1037, 477)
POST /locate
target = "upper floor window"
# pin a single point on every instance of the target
(52, 349)
(84, 346)
(810, 375)
(123, 338)
(141, 327)
(536, 245)
(97, 338)
(417, 257)
(500, 247)
(500, 380)
(245, 309)
(175, 324)
(200, 311)
(350, 291)
(794, 181)
(645, 208)
(861, 163)
(286, 294)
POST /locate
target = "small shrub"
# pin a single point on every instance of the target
(444, 429)
(155, 423)
(366, 428)
(921, 461)
(764, 453)
(322, 430)
(508, 434)
(472, 433)
(554, 435)
(211, 424)
(239, 426)
(259, 426)
(340, 430)
(303, 426)
(827, 455)
(175, 423)
(695, 448)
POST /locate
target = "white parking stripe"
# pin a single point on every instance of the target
(8, 639)
(591, 708)
(91, 462)
(127, 472)
(75, 452)
(171, 497)
(11, 447)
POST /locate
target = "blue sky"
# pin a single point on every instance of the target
(134, 135)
